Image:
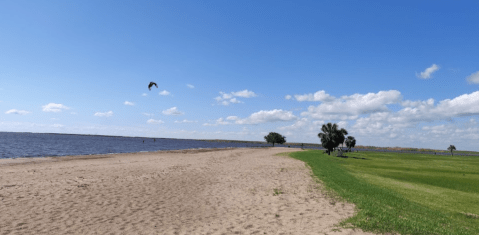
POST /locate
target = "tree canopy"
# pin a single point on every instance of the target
(451, 148)
(341, 136)
(350, 142)
(331, 136)
(274, 137)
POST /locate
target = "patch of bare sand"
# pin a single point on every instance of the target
(232, 191)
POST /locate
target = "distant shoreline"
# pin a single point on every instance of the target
(260, 142)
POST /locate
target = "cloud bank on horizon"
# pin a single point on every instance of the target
(365, 116)
(289, 71)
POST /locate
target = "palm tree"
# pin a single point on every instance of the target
(331, 137)
(350, 142)
(451, 148)
(341, 137)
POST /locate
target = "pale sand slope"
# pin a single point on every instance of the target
(176, 192)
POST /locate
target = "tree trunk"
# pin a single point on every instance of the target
(273, 144)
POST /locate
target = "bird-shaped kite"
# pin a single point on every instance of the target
(151, 84)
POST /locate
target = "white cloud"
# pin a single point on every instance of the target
(304, 130)
(380, 126)
(190, 86)
(129, 103)
(148, 114)
(472, 121)
(446, 134)
(428, 72)
(225, 95)
(185, 121)
(235, 101)
(74, 113)
(16, 111)
(349, 107)
(52, 107)
(106, 114)
(464, 105)
(318, 96)
(232, 118)
(264, 116)
(473, 78)
(386, 125)
(164, 92)
(342, 124)
(58, 125)
(288, 97)
(435, 129)
(172, 111)
(228, 98)
(425, 111)
(297, 125)
(153, 121)
(244, 94)
(319, 123)
(304, 127)
(144, 94)
(218, 121)
(408, 103)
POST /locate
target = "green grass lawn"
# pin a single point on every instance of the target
(403, 193)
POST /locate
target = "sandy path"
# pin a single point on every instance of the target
(177, 192)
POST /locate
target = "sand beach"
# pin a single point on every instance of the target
(208, 191)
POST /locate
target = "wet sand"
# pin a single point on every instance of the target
(229, 191)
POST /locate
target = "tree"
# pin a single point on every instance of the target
(329, 136)
(451, 148)
(350, 143)
(341, 137)
(274, 137)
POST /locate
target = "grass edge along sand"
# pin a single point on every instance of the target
(381, 210)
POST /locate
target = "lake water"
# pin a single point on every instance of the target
(13, 145)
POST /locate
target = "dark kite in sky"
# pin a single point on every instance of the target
(151, 84)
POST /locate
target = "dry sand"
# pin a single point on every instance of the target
(176, 192)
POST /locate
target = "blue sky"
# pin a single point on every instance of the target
(393, 74)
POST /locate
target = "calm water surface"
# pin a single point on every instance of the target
(14, 145)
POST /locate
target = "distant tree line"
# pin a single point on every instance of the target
(331, 137)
